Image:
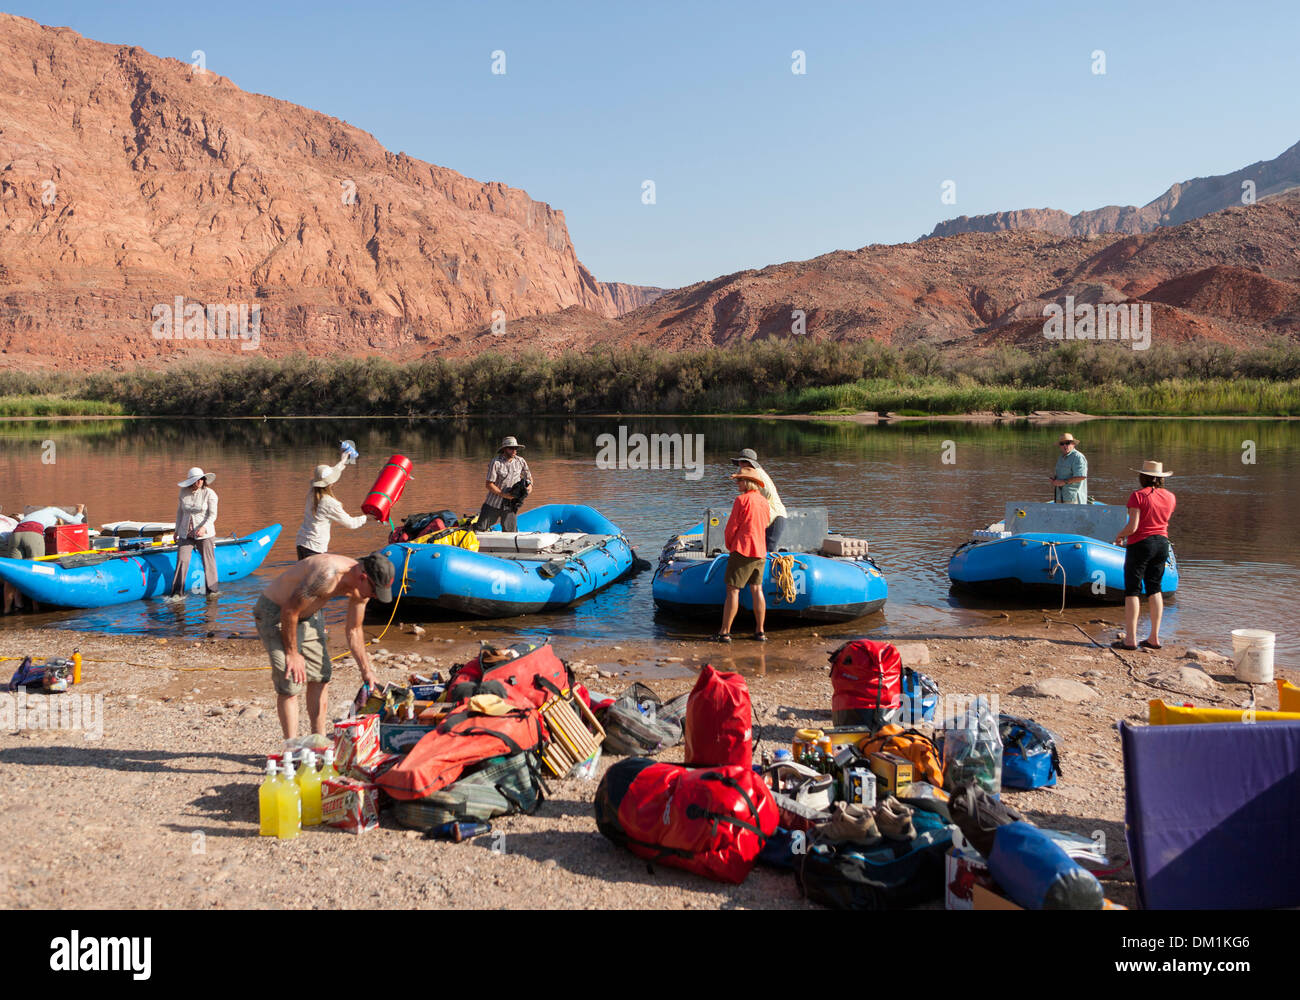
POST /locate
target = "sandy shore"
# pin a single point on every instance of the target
(161, 810)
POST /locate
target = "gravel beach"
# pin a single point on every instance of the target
(160, 811)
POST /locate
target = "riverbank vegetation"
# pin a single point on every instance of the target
(763, 377)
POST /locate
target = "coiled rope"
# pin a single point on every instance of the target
(783, 576)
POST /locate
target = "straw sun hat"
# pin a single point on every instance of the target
(326, 475)
(1153, 468)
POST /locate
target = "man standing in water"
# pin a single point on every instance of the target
(508, 477)
(1071, 476)
(291, 626)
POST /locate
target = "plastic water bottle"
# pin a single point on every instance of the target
(349, 450)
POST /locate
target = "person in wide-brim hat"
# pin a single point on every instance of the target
(1070, 476)
(196, 527)
(748, 460)
(506, 472)
(322, 507)
(195, 474)
(1146, 552)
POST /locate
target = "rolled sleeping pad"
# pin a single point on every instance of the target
(1160, 714)
(1037, 874)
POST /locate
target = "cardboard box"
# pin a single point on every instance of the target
(858, 786)
(400, 737)
(356, 741)
(894, 772)
(840, 545)
(984, 898)
(964, 870)
(66, 538)
(349, 805)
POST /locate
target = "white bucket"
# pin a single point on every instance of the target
(1252, 655)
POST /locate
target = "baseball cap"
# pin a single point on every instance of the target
(380, 572)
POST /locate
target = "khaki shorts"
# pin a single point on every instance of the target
(742, 571)
(311, 644)
(26, 545)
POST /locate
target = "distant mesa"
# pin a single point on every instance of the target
(1181, 203)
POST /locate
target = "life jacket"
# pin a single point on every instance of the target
(719, 720)
(529, 678)
(866, 675)
(713, 822)
(464, 738)
(911, 745)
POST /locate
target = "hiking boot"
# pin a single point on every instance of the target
(895, 819)
(849, 823)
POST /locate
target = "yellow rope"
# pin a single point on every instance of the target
(400, 591)
(783, 576)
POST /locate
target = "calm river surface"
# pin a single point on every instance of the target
(1235, 530)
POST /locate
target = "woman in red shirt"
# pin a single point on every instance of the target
(1145, 553)
(746, 538)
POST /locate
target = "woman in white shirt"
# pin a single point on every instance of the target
(322, 508)
(196, 525)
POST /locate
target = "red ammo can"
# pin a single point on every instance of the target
(387, 490)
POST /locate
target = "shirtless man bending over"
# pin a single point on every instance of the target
(291, 625)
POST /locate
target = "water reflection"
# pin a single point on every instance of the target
(1233, 530)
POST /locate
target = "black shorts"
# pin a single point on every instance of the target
(306, 553)
(1144, 562)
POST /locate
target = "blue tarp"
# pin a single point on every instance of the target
(1213, 814)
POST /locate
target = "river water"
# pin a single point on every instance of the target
(914, 489)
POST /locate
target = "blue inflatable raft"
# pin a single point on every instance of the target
(561, 554)
(95, 579)
(1034, 558)
(820, 587)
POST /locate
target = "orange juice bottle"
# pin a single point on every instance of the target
(76, 667)
(266, 799)
(309, 789)
(288, 804)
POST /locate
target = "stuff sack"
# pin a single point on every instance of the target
(497, 787)
(888, 876)
(979, 815)
(972, 749)
(713, 822)
(639, 724)
(920, 697)
(1037, 874)
(865, 683)
(464, 738)
(910, 745)
(526, 673)
(719, 720)
(1030, 758)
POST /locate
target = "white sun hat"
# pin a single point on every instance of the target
(194, 475)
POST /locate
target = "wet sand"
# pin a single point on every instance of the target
(161, 810)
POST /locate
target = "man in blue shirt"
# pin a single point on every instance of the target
(1071, 476)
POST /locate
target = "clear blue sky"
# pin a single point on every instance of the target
(752, 163)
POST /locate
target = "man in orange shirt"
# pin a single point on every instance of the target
(746, 538)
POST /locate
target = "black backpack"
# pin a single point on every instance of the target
(889, 876)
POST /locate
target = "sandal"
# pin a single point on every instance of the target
(1148, 644)
(1119, 644)
(760, 637)
(722, 637)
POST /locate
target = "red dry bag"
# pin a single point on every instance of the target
(719, 720)
(463, 739)
(530, 677)
(866, 683)
(712, 822)
(387, 490)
